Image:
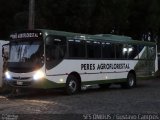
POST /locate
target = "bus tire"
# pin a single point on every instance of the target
(72, 85)
(131, 81)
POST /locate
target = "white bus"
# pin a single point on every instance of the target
(53, 59)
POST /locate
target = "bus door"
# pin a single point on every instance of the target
(55, 52)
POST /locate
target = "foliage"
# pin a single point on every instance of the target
(125, 17)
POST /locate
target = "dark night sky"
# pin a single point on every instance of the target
(125, 17)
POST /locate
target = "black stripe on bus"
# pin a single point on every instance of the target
(89, 73)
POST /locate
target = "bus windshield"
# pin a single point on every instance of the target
(26, 54)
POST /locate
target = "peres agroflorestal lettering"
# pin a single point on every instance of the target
(87, 66)
(104, 66)
(113, 66)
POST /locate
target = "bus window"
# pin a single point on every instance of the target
(132, 52)
(125, 51)
(93, 49)
(97, 50)
(77, 48)
(55, 50)
(108, 50)
(119, 51)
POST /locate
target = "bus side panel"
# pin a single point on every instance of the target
(91, 70)
(146, 64)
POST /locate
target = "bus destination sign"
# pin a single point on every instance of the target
(26, 35)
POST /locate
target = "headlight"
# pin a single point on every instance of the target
(38, 75)
(7, 75)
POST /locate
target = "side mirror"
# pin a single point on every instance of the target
(5, 51)
(2, 51)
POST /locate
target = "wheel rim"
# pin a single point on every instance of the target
(72, 86)
(131, 82)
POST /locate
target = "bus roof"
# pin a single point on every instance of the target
(100, 37)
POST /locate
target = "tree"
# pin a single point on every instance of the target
(8, 12)
(124, 17)
(153, 20)
(139, 11)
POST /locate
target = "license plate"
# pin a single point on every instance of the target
(19, 83)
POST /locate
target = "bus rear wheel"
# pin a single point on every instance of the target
(131, 81)
(72, 85)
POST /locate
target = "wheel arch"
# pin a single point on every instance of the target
(132, 72)
(75, 74)
(131, 80)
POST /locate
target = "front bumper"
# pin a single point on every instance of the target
(42, 84)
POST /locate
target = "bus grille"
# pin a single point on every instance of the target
(21, 78)
(23, 83)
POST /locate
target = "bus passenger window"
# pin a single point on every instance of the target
(108, 50)
(119, 51)
(125, 51)
(93, 49)
(90, 49)
(55, 50)
(77, 48)
(132, 52)
(97, 49)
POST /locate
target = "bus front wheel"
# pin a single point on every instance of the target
(131, 81)
(72, 85)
